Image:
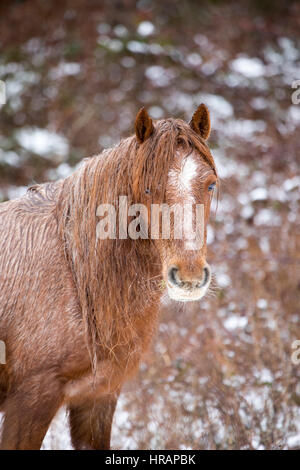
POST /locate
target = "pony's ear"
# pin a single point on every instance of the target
(200, 122)
(143, 125)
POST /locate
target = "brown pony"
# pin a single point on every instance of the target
(78, 312)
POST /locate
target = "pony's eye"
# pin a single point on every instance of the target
(147, 191)
(211, 187)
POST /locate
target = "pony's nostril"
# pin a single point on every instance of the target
(205, 279)
(173, 276)
(205, 276)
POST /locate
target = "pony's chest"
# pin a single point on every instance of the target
(108, 378)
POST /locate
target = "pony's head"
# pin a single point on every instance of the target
(166, 162)
(174, 167)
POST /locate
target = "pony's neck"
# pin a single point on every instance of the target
(114, 279)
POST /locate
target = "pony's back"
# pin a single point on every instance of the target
(36, 288)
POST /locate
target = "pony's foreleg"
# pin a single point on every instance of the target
(90, 423)
(28, 411)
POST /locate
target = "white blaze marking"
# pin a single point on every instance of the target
(181, 179)
(187, 174)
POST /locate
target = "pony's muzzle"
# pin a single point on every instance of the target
(184, 286)
(177, 279)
